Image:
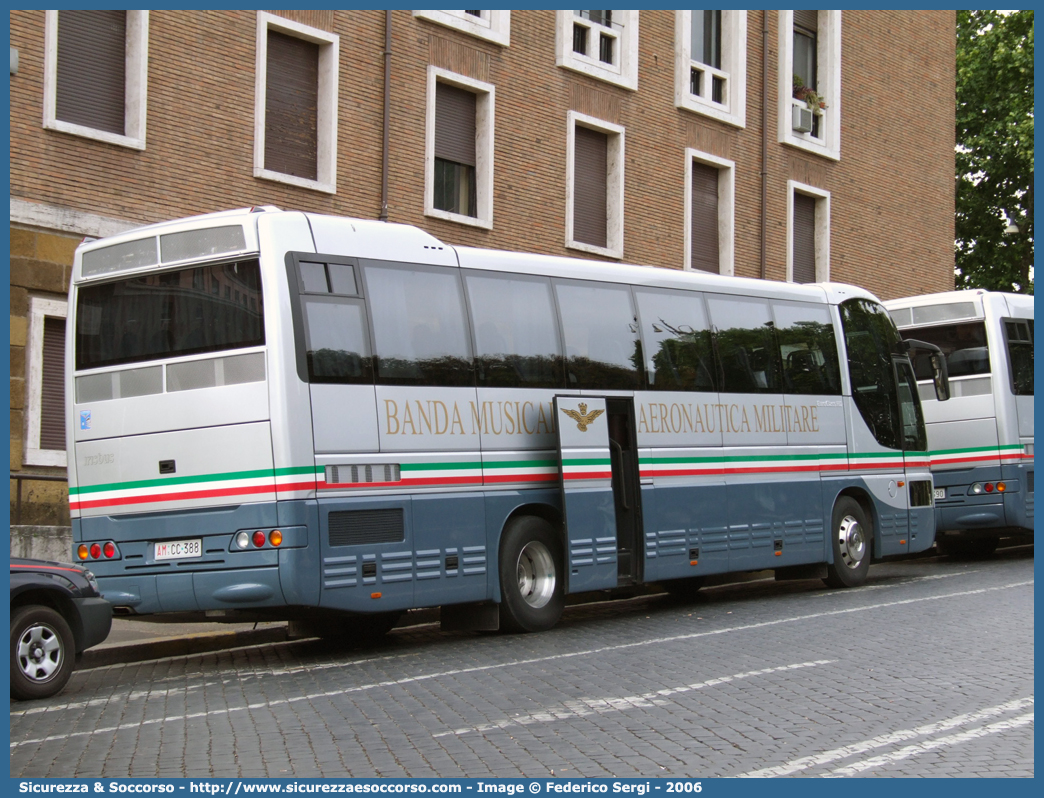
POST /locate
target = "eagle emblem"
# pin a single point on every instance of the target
(581, 416)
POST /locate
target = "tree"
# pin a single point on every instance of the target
(994, 213)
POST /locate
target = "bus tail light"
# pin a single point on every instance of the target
(242, 540)
(1001, 487)
(275, 537)
(989, 487)
(976, 488)
(259, 538)
(95, 551)
(82, 552)
(109, 550)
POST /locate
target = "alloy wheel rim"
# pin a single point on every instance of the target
(536, 574)
(39, 653)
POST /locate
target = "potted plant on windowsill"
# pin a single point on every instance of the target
(808, 95)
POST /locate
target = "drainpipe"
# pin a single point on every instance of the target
(764, 141)
(387, 113)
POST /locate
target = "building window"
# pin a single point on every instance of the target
(493, 26)
(810, 81)
(594, 186)
(711, 64)
(808, 234)
(459, 152)
(95, 74)
(709, 213)
(45, 383)
(602, 44)
(295, 104)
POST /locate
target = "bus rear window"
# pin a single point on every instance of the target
(170, 314)
(963, 344)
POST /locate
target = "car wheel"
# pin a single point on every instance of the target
(42, 652)
(852, 541)
(532, 596)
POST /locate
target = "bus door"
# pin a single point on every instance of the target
(917, 490)
(598, 462)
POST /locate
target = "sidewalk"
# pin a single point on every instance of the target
(134, 640)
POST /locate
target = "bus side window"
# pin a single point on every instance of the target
(807, 349)
(676, 340)
(746, 344)
(1019, 335)
(419, 325)
(516, 334)
(601, 336)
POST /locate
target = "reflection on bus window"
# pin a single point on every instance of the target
(1020, 355)
(336, 341)
(963, 344)
(169, 314)
(871, 340)
(677, 340)
(516, 335)
(746, 345)
(601, 336)
(420, 335)
(807, 349)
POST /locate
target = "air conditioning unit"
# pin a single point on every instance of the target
(802, 118)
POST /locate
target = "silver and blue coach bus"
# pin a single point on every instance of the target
(303, 417)
(981, 440)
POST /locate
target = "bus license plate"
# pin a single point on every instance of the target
(179, 549)
(940, 493)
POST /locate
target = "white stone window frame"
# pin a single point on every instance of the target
(326, 127)
(733, 110)
(136, 90)
(821, 230)
(726, 209)
(614, 180)
(492, 26)
(624, 72)
(40, 308)
(828, 57)
(485, 107)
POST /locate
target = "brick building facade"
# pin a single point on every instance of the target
(877, 171)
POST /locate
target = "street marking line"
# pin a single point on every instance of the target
(584, 707)
(930, 745)
(535, 660)
(889, 739)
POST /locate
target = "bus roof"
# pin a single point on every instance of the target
(1003, 303)
(124, 257)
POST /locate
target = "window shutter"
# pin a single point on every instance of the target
(91, 75)
(52, 398)
(590, 169)
(454, 124)
(291, 106)
(804, 239)
(705, 253)
(809, 20)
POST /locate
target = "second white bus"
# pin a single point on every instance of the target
(981, 440)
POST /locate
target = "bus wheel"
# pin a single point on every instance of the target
(532, 595)
(684, 589)
(851, 539)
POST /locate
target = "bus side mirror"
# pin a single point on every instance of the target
(940, 371)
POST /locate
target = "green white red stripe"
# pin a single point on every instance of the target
(303, 481)
(980, 455)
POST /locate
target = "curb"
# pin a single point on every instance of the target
(158, 648)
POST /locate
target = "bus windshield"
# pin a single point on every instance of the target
(169, 314)
(964, 346)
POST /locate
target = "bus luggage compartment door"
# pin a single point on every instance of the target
(588, 504)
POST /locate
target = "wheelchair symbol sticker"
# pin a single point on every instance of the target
(85, 419)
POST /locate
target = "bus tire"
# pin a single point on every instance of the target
(532, 594)
(852, 542)
(42, 652)
(684, 589)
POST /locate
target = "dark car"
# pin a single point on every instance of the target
(56, 613)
